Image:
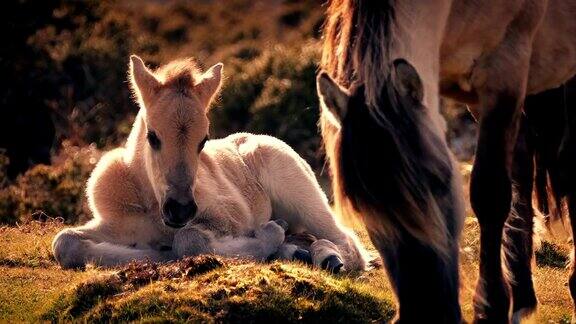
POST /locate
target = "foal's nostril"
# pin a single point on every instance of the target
(190, 208)
(169, 207)
(176, 214)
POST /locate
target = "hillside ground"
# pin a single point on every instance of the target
(33, 287)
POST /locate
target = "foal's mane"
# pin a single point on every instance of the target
(179, 74)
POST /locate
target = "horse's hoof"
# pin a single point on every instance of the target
(282, 223)
(332, 264)
(302, 256)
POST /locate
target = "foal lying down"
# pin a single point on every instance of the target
(171, 193)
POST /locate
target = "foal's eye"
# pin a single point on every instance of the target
(201, 145)
(153, 140)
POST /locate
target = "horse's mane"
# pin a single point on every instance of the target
(394, 173)
(357, 40)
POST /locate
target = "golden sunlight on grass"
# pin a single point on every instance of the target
(211, 289)
(29, 278)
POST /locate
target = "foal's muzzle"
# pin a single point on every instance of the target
(176, 214)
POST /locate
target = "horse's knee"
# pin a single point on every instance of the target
(68, 248)
(191, 242)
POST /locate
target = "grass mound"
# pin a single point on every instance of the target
(212, 289)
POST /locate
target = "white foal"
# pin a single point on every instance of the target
(170, 192)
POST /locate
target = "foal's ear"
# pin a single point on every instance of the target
(334, 98)
(143, 82)
(209, 84)
(407, 81)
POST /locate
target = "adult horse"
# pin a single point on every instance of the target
(396, 58)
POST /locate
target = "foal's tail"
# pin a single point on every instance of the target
(553, 134)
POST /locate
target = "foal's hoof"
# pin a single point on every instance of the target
(332, 264)
(282, 223)
(302, 256)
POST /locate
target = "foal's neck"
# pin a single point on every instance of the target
(134, 156)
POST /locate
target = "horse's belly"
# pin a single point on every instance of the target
(259, 204)
(554, 48)
(455, 72)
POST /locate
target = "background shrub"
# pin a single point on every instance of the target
(65, 64)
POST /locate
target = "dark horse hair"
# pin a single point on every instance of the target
(552, 133)
(413, 161)
(402, 174)
(545, 164)
(357, 41)
(391, 168)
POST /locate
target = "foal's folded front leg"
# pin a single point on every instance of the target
(77, 247)
(195, 240)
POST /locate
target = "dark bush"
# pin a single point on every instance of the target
(51, 191)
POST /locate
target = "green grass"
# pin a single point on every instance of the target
(29, 278)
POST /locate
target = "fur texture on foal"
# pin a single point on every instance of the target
(169, 192)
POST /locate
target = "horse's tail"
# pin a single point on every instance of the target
(553, 134)
(549, 201)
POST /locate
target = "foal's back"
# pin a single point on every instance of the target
(228, 178)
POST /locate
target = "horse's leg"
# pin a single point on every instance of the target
(293, 188)
(518, 230)
(76, 247)
(296, 246)
(500, 79)
(194, 240)
(491, 195)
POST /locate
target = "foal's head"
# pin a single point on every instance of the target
(175, 99)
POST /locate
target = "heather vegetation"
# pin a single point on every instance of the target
(70, 60)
